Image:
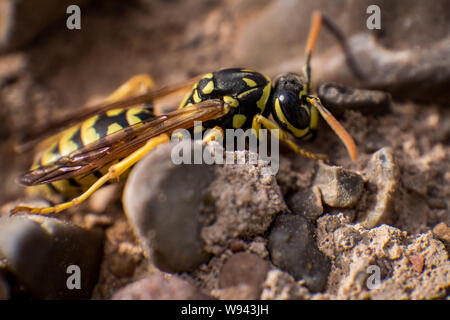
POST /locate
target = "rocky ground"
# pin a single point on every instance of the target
(374, 229)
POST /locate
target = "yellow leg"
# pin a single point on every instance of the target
(136, 85)
(259, 120)
(114, 172)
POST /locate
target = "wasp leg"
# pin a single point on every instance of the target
(114, 172)
(336, 126)
(139, 84)
(259, 120)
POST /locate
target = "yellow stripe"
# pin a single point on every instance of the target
(66, 145)
(243, 94)
(49, 157)
(231, 101)
(114, 112)
(131, 116)
(261, 103)
(302, 93)
(314, 118)
(208, 76)
(208, 88)
(249, 82)
(88, 132)
(196, 97)
(239, 120)
(296, 132)
(114, 127)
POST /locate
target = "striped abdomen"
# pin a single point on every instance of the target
(80, 135)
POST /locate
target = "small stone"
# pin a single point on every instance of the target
(38, 251)
(102, 198)
(442, 231)
(382, 175)
(237, 245)
(339, 98)
(306, 202)
(339, 187)
(160, 287)
(244, 268)
(122, 266)
(417, 263)
(163, 202)
(292, 248)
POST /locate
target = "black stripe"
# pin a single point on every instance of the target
(76, 138)
(74, 183)
(52, 187)
(104, 121)
(97, 174)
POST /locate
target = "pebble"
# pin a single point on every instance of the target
(38, 251)
(160, 287)
(244, 269)
(339, 98)
(340, 188)
(442, 231)
(163, 202)
(293, 249)
(183, 213)
(237, 245)
(382, 175)
(307, 202)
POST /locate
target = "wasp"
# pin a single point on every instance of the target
(109, 139)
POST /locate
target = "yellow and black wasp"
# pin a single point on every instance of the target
(109, 139)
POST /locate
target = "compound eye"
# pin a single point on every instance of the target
(290, 111)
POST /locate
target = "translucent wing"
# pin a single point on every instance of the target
(35, 135)
(120, 144)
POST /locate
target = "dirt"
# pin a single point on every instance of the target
(61, 71)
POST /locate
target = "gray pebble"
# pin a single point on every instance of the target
(339, 98)
(293, 249)
(340, 188)
(307, 202)
(164, 203)
(38, 251)
(382, 175)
